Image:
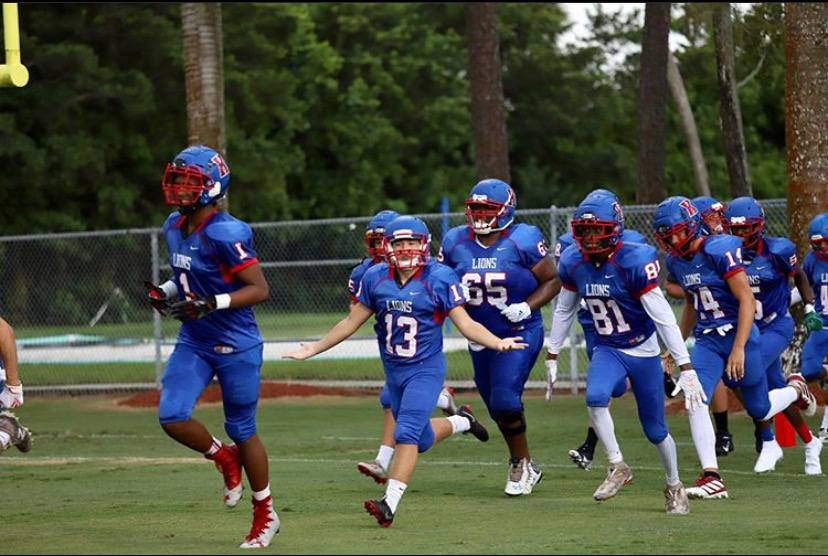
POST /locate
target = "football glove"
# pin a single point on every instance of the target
(694, 395)
(812, 322)
(515, 312)
(157, 298)
(193, 309)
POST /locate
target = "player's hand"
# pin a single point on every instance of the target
(510, 344)
(735, 367)
(812, 322)
(515, 312)
(193, 309)
(694, 396)
(12, 396)
(668, 364)
(305, 351)
(157, 298)
(551, 377)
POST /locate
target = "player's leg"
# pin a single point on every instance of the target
(186, 375)
(378, 469)
(238, 374)
(718, 406)
(583, 455)
(446, 402)
(813, 356)
(606, 371)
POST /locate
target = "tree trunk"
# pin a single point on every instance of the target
(688, 124)
(806, 128)
(729, 109)
(203, 53)
(652, 98)
(490, 141)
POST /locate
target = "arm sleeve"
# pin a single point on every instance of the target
(568, 303)
(658, 308)
(784, 257)
(448, 292)
(532, 247)
(644, 274)
(234, 249)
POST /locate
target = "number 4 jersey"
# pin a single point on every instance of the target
(612, 291)
(409, 323)
(206, 263)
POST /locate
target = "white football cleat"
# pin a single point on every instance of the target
(265, 525)
(675, 500)
(375, 470)
(771, 453)
(708, 488)
(618, 475)
(812, 451)
(823, 435)
(452, 408)
(806, 401)
(518, 476)
(534, 475)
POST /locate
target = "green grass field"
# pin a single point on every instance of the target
(102, 479)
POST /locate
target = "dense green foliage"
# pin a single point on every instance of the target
(343, 109)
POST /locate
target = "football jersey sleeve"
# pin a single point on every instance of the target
(564, 271)
(531, 244)
(231, 243)
(563, 242)
(449, 241)
(448, 292)
(783, 254)
(365, 288)
(643, 270)
(725, 252)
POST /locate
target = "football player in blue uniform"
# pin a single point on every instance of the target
(510, 277)
(770, 262)
(712, 213)
(374, 245)
(583, 455)
(12, 433)
(620, 284)
(711, 271)
(411, 295)
(217, 278)
(816, 346)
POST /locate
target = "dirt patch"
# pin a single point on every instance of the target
(734, 405)
(267, 390)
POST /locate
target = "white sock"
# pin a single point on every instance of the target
(780, 399)
(605, 429)
(669, 460)
(393, 494)
(825, 419)
(5, 440)
(459, 424)
(262, 494)
(443, 402)
(704, 438)
(214, 448)
(384, 456)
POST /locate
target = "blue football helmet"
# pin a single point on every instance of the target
(375, 234)
(818, 235)
(407, 227)
(712, 215)
(598, 224)
(678, 218)
(608, 194)
(490, 206)
(196, 177)
(745, 218)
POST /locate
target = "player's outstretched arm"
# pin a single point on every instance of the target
(740, 287)
(12, 394)
(343, 330)
(479, 334)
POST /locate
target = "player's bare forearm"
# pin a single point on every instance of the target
(688, 318)
(747, 308)
(342, 330)
(673, 289)
(549, 285)
(472, 329)
(804, 287)
(256, 289)
(8, 350)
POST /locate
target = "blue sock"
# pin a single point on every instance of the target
(767, 434)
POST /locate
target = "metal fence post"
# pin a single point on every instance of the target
(156, 317)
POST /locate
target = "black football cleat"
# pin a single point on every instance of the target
(381, 511)
(477, 429)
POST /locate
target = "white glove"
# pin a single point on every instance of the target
(694, 396)
(515, 312)
(551, 377)
(11, 397)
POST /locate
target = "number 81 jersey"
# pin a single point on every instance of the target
(612, 291)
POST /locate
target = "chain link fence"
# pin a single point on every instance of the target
(78, 305)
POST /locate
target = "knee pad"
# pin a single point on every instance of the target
(240, 430)
(597, 400)
(505, 422)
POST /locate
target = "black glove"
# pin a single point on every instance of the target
(193, 309)
(157, 298)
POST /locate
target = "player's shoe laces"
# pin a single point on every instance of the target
(806, 402)
(675, 500)
(708, 488)
(381, 511)
(477, 429)
(771, 453)
(582, 457)
(228, 462)
(617, 476)
(20, 435)
(724, 443)
(812, 451)
(375, 470)
(516, 481)
(265, 524)
(452, 408)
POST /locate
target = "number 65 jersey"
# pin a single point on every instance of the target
(612, 291)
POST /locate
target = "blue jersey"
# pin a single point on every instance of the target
(613, 290)
(816, 269)
(409, 322)
(627, 236)
(356, 276)
(768, 270)
(705, 277)
(206, 263)
(500, 273)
